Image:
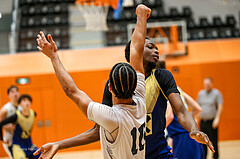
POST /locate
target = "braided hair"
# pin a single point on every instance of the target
(123, 80)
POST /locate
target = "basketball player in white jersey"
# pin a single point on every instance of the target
(6, 111)
(122, 127)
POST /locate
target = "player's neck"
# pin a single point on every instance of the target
(15, 104)
(122, 101)
(25, 112)
(147, 70)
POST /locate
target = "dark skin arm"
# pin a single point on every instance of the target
(89, 136)
(186, 120)
(138, 38)
(79, 97)
(50, 149)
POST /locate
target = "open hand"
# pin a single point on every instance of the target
(48, 48)
(48, 151)
(142, 9)
(202, 138)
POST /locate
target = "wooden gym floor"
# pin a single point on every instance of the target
(228, 150)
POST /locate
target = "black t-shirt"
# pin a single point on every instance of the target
(164, 78)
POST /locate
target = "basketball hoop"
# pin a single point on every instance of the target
(95, 13)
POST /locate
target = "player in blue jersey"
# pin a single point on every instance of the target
(22, 143)
(183, 146)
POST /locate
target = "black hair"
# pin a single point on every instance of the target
(127, 50)
(11, 87)
(123, 80)
(24, 96)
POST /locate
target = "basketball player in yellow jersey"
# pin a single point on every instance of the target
(22, 142)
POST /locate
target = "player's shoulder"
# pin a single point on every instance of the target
(139, 74)
(163, 73)
(3, 110)
(140, 78)
(163, 76)
(7, 105)
(138, 100)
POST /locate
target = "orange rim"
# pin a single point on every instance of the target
(112, 3)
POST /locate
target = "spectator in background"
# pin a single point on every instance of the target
(6, 111)
(210, 100)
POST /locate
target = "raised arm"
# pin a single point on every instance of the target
(66, 81)
(138, 38)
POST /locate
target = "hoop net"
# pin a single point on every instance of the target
(95, 13)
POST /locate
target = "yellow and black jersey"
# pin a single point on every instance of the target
(23, 127)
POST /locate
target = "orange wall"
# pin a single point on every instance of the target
(90, 69)
(226, 77)
(51, 103)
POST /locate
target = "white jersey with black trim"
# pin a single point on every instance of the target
(129, 120)
(11, 110)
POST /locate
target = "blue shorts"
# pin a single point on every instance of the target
(185, 147)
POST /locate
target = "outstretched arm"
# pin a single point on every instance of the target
(66, 81)
(50, 149)
(89, 136)
(138, 38)
(186, 120)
